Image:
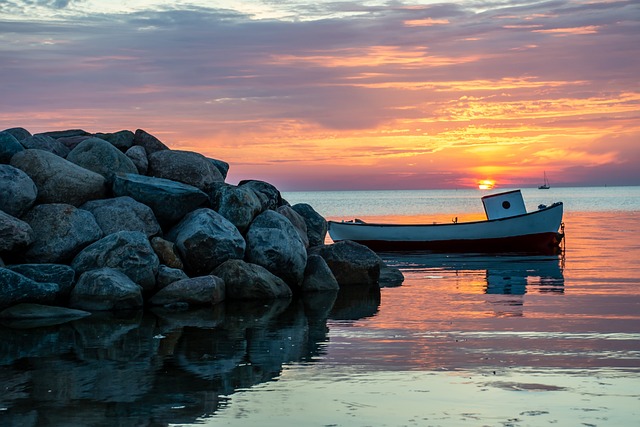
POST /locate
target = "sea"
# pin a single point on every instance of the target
(466, 340)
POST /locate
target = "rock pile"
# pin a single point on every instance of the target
(112, 221)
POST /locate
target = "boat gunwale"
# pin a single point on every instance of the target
(441, 224)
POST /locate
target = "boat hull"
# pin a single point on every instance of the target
(531, 232)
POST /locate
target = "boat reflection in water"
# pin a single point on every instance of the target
(161, 367)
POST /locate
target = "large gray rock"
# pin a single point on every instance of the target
(150, 143)
(221, 165)
(9, 146)
(18, 133)
(126, 251)
(58, 180)
(101, 157)
(17, 191)
(297, 221)
(60, 232)
(203, 290)
(105, 289)
(274, 243)
(184, 166)
(66, 133)
(138, 156)
(72, 142)
(16, 288)
(351, 263)
(246, 281)
(240, 205)
(316, 224)
(46, 143)
(205, 239)
(167, 275)
(122, 140)
(61, 274)
(25, 311)
(169, 200)
(123, 214)
(269, 195)
(14, 233)
(318, 276)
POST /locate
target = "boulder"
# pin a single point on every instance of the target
(72, 142)
(67, 133)
(60, 231)
(18, 133)
(62, 275)
(123, 214)
(268, 194)
(125, 251)
(150, 143)
(14, 233)
(222, 166)
(58, 180)
(17, 191)
(25, 311)
(167, 252)
(45, 143)
(186, 167)
(105, 289)
(274, 243)
(169, 200)
(122, 140)
(297, 221)
(246, 281)
(167, 275)
(316, 224)
(101, 157)
(204, 290)
(237, 204)
(351, 263)
(205, 239)
(390, 276)
(318, 276)
(9, 146)
(16, 288)
(138, 156)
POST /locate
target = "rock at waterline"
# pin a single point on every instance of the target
(246, 281)
(61, 274)
(16, 288)
(351, 263)
(204, 290)
(39, 311)
(105, 289)
(318, 276)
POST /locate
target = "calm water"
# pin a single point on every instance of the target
(466, 340)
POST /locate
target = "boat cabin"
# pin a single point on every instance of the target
(504, 205)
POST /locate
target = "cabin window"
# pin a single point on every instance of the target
(506, 204)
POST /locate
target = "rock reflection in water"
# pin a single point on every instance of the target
(160, 367)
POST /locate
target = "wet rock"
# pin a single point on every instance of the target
(58, 180)
(186, 167)
(204, 290)
(269, 195)
(45, 143)
(122, 140)
(123, 214)
(316, 224)
(16, 288)
(101, 157)
(9, 146)
(167, 275)
(246, 281)
(274, 243)
(239, 205)
(60, 232)
(14, 233)
(390, 276)
(169, 200)
(318, 276)
(18, 133)
(167, 252)
(39, 311)
(150, 143)
(61, 274)
(125, 251)
(297, 221)
(205, 239)
(138, 156)
(351, 263)
(105, 289)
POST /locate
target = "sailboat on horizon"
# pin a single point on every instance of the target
(546, 185)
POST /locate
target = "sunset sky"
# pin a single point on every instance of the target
(319, 94)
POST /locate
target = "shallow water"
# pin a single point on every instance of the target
(466, 340)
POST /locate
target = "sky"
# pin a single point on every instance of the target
(342, 95)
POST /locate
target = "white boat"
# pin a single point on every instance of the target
(508, 228)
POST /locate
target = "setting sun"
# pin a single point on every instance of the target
(486, 184)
